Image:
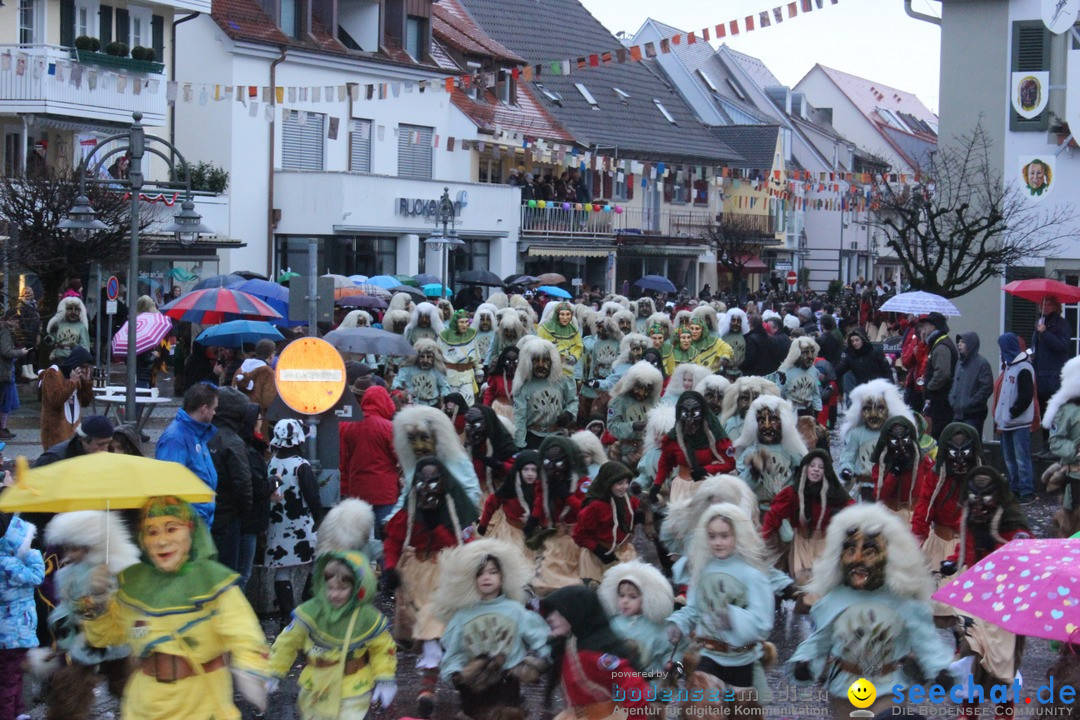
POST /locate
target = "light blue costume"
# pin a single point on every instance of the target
(73, 583)
(858, 455)
(802, 388)
(18, 615)
(647, 638)
(776, 475)
(492, 627)
(425, 387)
(538, 405)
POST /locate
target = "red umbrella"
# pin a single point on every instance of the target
(1036, 290)
(216, 305)
(150, 329)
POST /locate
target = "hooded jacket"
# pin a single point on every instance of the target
(604, 521)
(1052, 348)
(1014, 406)
(941, 363)
(186, 441)
(865, 364)
(896, 490)
(229, 453)
(973, 380)
(368, 462)
(258, 520)
(22, 570)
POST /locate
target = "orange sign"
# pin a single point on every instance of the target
(310, 375)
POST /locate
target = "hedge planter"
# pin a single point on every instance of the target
(118, 63)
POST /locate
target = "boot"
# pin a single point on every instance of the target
(425, 699)
(286, 603)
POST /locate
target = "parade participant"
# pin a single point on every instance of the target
(659, 421)
(424, 375)
(801, 381)
(436, 517)
(624, 319)
(484, 323)
(22, 569)
(84, 540)
(500, 383)
(684, 377)
(645, 310)
(490, 446)
(554, 513)
(557, 327)
(65, 389)
(185, 619)
(492, 643)
(421, 431)
(633, 397)
(499, 300)
(592, 450)
(990, 518)
(1062, 419)
(356, 319)
(545, 399)
(425, 323)
(696, 448)
(589, 662)
(396, 321)
(872, 619)
(712, 388)
(712, 352)
(68, 328)
(446, 309)
(729, 611)
(605, 523)
(870, 405)
(900, 467)
(799, 515)
(401, 301)
(598, 360)
(506, 511)
(349, 526)
(508, 331)
(656, 359)
(769, 448)
(460, 355)
(733, 326)
(738, 399)
(351, 656)
(682, 349)
(638, 600)
(682, 319)
(525, 313)
(631, 349)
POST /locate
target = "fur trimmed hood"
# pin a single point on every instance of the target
(401, 301)
(459, 566)
(425, 344)
(706, 313)
(731, 397)
(426, 308)
(391, 317)
(599, 319)
(95, 530)
(447, 445)
(629, 341)
(611, 307)
(648, 302)
(348, 526)
(61, 311)
(684, 515)
(748, 543)
(499, 300)
(875, 388)
(657, 598)
(1069, 390)
(617, 298)
(644, 373)
(509, 321)
(795, 350)
(355, 319)
(660, 421)
(625, 315)
(791, 440)
(906, 572)
(683, 317)
(725, 321)
(713, 382)
(485, 309)
(675, 384)
(532, 347)
(592, 450)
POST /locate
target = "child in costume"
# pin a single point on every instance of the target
(605, 523)
(21, 570)
(424, 375)
(87, 539)
(729, 609)
(900, 467)
(696, 448)
(802, 382)
(638, 600)
(682, 378)
(554, 512)
(492, 644)
(185, 619)
(507, 510)
(351, 657)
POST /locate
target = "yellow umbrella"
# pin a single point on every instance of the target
(102, 481)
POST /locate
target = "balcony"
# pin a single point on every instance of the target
(213, 208)
(554, 223)
(37, 91)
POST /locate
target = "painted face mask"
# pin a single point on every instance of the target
(166, 534)
(463, 325)
(769, 431)
(399, 325)
(625, 326)
(564, 317)
(900, 450)
(429, 487)
(691, 416)
(806, 357)
(641, 392)
(636, 351)
(602, 331)
(983, 500)
(475, 428)
(421, 440)
(423, 321)
(715, 398)
(744, 401)
(863, 559)
(875, 411)
(686, 339)
(652, 356)
(695, 332)
(736, 325)
(425, 360)
(485, 323)
(960, 455)
(557, 471)
(511, 363)
(541, 367)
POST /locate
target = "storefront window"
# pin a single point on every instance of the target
(341, 255)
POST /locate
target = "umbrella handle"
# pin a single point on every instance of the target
(107, 528)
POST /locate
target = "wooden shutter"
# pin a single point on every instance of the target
(105, 16)
(123, 27)
(414, 151)
(302, 144)
(157, 34)
(67, 23)
(1030, 52)
(360, 146)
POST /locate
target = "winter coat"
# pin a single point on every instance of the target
(256, 380)
(672, 459)
(785, 506)
(187, 441)
(865, 364)
(21, 570)
(940, 366)
(913, 356)
(230, 457)
(830, 347)
(369, 465)
(973, 381)
(8, 355)
(70, 448)
(1052, 348)
(1014, 407)
(761, 359)
(258, 520)
(58, 416)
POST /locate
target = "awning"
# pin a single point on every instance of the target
(668, 250)
(751, 263)
(570, 251)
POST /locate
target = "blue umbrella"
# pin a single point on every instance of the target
(425, 278)
(358, 279)
(659, 283)
(219, 281)
(434, 290)
(384, 281)
(238, 332)
(274, 295)
(554, 291)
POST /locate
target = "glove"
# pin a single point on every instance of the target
(801, 672)
(654, 493)
(782, 377)
(481, 530)
(252, 687)
(390, 580)
(606, 556)
(846, 475)
(384, 693)
(948, 568)
(480, 673)
(674, 634)
(698, 474)
(565, 420)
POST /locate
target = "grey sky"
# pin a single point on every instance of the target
(871, 38)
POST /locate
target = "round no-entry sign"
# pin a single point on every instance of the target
(310, 376)
(112, 288)
(792, 278)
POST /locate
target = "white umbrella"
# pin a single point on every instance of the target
(920, 303)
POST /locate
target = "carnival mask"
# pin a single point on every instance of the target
(636, 351)
(695, 332)
(806, 357)
(900, 447)
(603, 332)
(714, 396)
(960, 455)
(510, 363)
(641, 392)
(565, 317)
(541, 366)
(421, 440)
(769, 431)
(736, 325)
(745, 399)
(657, 339)
(423, 321)
(982, 500)
(475, 427)
(399, 325)
(625, 326)
(875, 411)
(167, 540)
(691, 416)
(652, 356)
(429, 487)
(863, 559)
(557, 471)
(463, 325)
(686, 339)
(425, 359)
(485, 323)
(446, 311)
(643, 310)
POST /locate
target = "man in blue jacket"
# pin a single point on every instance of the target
(1053, 346)
(187, 437)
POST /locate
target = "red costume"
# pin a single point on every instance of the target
(596, 528)
(971, 552)
(513, 513)
(590, 677)
(425, 542)
(565, 510)
(499, 387)
(897, 492)
(785, 506)
(944, 511)
(490, 478)
(713, 461)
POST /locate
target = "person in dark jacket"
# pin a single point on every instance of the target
(973, 382)
(1052, 347)
(861, 362)
(830, 343)
(1014, 414)
(91, 436)
(258, 520)
(759, 350)
(229, 453)
(938, 378)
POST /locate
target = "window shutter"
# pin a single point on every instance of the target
(105, 15)
(1030, 52)
(414, 151)
(67, 23)
(701, 192)
(157, 34)
(360, 146)
(609, 186)
(302, 145)
(630, 180)
(123, 27)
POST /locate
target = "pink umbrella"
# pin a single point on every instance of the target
(1028, 587)
(150, 329)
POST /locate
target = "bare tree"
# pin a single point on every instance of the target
(736, 240)
(963, 225)
(33, 207)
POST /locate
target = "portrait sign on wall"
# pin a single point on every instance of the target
(1029, 92)
(1036, 176)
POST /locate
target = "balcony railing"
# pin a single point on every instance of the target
(95, 97)
(580, 223)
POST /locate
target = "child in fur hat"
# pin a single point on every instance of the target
(638, 599)
(507, 510)
(22, 569)
(87, 539)
(492, 643)
(605, 524)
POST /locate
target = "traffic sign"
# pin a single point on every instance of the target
(112, 288)
(781, 266)
(792, 278)
(310, 376)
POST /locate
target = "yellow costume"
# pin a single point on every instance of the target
(566, 338)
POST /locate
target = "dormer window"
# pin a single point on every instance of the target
(550, 94)
(473, 90)
(416, 37)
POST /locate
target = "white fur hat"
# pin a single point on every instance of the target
(657, 598)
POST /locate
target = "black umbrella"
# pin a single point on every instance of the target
(520, 279)
(479, 277)
(369, 341)
(416, 293)
(250, 275)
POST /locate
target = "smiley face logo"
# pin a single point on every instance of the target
(862, 693)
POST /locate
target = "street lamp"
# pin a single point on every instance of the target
(82, 221)
(446, 238)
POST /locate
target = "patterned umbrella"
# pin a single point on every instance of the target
(150, 329)
(343, 286)
(920, 303)
(211, 307)
(377, 291)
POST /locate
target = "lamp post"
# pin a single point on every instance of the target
(82, 220)
(445, 238)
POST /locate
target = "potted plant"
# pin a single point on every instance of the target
(143, 53)
(87, 43)
(117, 49)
